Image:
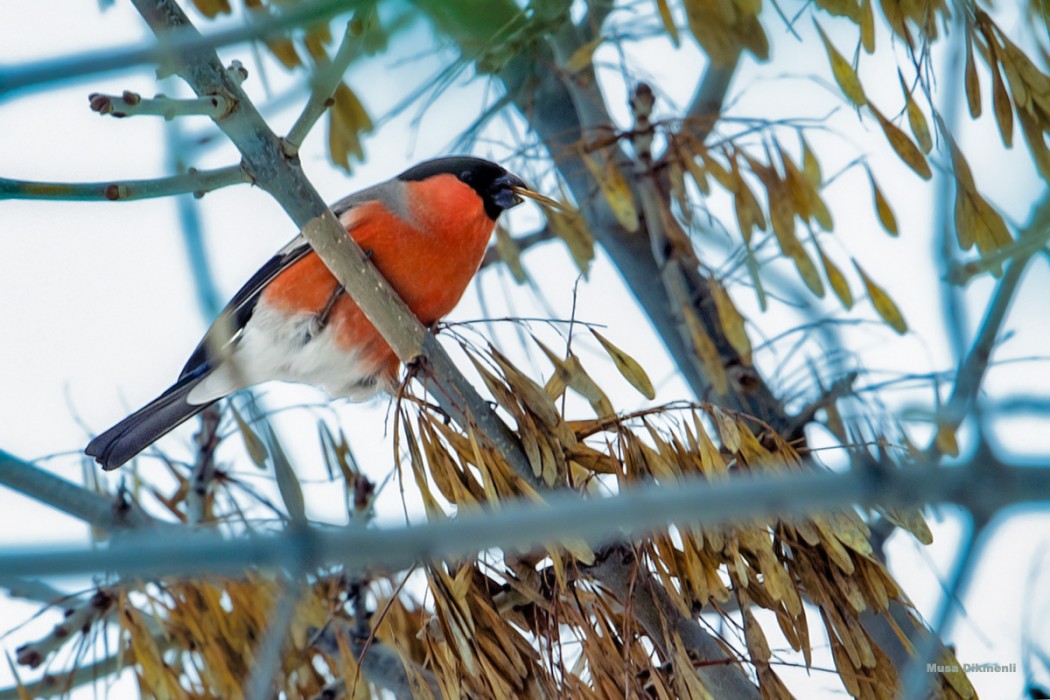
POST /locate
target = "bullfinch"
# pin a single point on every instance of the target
(425, 230)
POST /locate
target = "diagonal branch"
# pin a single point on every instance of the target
(974, 366)
(92, 508)
(325, 80)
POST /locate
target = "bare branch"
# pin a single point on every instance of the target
(13, 78)
(324, 83)
(523, 242)
(974, 366)
(693, 502)
(92, 508)
(722, 675)
(33, 589)
(380, 664)
(130, 104)
(197, 182)
(706, 106)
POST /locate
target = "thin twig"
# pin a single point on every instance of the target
(915, 677)
(94, 509)
(129, 104)
(54, 70)
(324, 83)
(196, 182)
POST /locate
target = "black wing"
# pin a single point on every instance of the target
(235, 316)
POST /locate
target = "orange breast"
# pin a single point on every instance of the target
(430, 264)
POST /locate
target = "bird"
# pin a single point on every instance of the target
(426, 231)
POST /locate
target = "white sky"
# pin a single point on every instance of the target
(100, 313)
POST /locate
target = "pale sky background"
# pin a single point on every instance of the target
(99, 310)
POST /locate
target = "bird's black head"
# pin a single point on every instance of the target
(493, 184)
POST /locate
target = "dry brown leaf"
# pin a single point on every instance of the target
(284, 51)
(843, 72)
(706, 352)
(614, 187)
(627, 366)
(252, 442)
(904, 147)
(732, 322)
(1004, 109)
(509, 252)
(882, 208)
(581, 58)
(811, 166)
(867, 26)
(837, 280)
(920, 129)
(884, 305)
(976, 221)
(668, 21)
(212, 8)
(972, 84)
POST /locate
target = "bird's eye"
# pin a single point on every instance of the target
(466, 176)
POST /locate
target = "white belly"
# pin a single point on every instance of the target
(278, 347)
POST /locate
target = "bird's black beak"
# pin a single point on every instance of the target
(503, 195)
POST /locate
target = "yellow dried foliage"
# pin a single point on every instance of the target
(920, 128)
(212, 8)
(732, 322)
(976, 221)
(492, 627)
(725, 27)
(882, 207)
(668, 21)
(905, 148)
(843, 72)
(348, 121)
(571, 228)
(837, 280)
(884, 305)
(614, 187)
(627, 366)
(510, 253)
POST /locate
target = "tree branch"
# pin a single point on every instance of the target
(974, 366)
(521, 525)
(523, 243)
(706, 106)
(54, 70)
(197, 182)
(94, 509)
(380, 664)
(324, 83)
(620, 573)
(130, 104)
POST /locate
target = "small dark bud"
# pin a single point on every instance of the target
(61, 632)
(131, 98)
(29, 657)
(112, 192)
(100, 103)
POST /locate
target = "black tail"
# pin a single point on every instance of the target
(158, 418)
